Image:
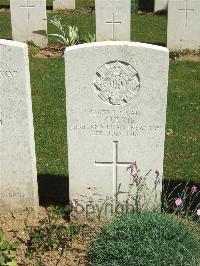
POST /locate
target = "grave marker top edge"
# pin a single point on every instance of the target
(117, 43)
(13, 43)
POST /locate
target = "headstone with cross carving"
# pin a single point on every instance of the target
(183, 24)
(113, 20)
(29, 21)
(116, 111)
(63, 4)
(160, 5)
(18, 176)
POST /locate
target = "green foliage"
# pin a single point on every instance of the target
(51, 233)
(7, 251)
(32, 48)
(90, 38)
(134, 6)
(67, 35)
(182, 200)
(149, 239)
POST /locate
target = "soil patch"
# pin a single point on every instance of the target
(51, 51)
(13, 226)
(188, 57)
(58, 51)
(2, 10)
(85, 10)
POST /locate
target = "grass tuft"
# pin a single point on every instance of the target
(151, 239)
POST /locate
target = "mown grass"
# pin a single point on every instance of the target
(48, 94)
(47, 77)
(182, 155)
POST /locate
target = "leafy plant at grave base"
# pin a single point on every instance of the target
(134, 6)
(90, 38)
(138, 197)
(67, 35)
(139, 193)
(32, 48)
(149, 238)
(51, 233)
(7, 251)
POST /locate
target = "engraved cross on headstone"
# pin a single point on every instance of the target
(28, 7)
(186, 9)
(115, 164)
(113, 23)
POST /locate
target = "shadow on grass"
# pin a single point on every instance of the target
(146, 5)
(53, 189)
(5, 6)
(173, 189)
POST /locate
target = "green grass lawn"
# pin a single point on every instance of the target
(182, 155)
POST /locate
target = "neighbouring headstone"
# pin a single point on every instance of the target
(183, 24)
(18, 176)
(63, 4)
(29, 21)
(116, 111)
(160, 5)
(113, 20)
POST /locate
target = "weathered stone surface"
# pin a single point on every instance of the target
(160, 5)
(29, 21)
(63, 4)
(18, 176)
(113, 20)
(116, 111)
(183, 24)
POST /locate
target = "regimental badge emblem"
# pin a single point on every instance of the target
(117, 83)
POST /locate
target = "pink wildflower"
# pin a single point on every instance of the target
(194, 189)
(198, 212)
(142, 210)
(178, 202)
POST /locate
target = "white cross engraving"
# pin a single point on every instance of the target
(186, 9)
(28, 7)
(113, 23)
(115, 164)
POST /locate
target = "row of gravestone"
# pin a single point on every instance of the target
(113, 22)
(116, 103)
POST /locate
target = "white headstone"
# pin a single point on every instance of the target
(29, 21)
(183, 24)
(116, 111)
(160, 5)
(18, 176)
(113, 20)
(63, 4)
